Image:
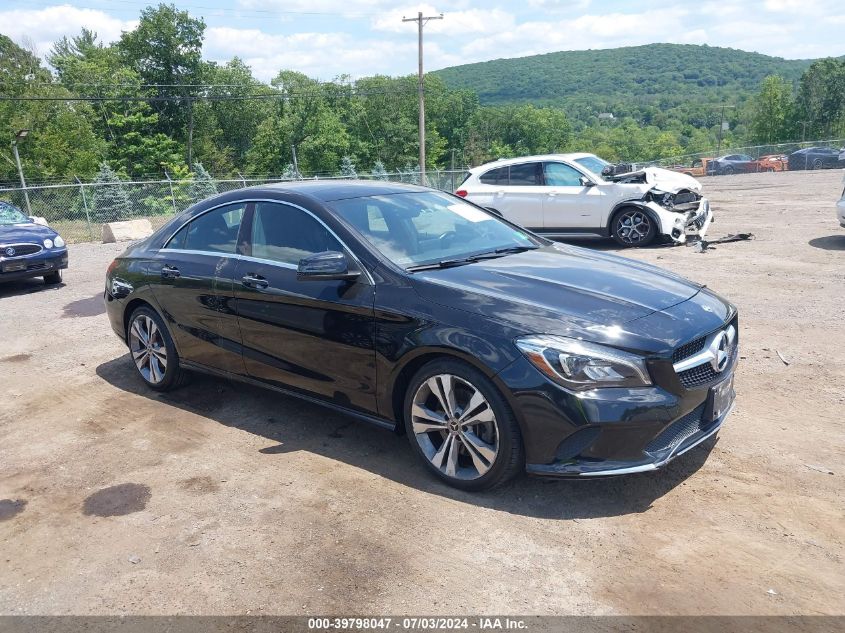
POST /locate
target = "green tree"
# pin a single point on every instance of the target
(820, 104)
(110, 200)
(166, 51)
(772, 111)
(379, 172)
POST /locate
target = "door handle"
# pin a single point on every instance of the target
(169, 272)
(254, 281)
(500, 192)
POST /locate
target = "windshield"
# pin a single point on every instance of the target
(593, 163)
(11, 215)
(413, 229)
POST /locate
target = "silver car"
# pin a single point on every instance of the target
(840, 209)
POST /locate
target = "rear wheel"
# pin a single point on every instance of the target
(461, 427)
(153, 351)
(54, 277)
(818, 164)
(633, 227)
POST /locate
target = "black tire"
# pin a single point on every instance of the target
(509, 459)
(53, 278)
(620, 227)
(818, 164)
(728, 171)
(173, 375)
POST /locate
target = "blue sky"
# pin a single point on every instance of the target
(327, 38)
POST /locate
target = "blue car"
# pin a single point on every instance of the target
(28, 249)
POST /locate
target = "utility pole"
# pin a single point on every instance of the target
(22, 134)
(190, 133)
(421, 22)
(721, 127)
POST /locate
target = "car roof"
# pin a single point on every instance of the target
(504, 162)
(329, 190)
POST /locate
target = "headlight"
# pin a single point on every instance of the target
(578, 365)
(58, 242)
(48, 243)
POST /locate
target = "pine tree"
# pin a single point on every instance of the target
(411, 174)
(291, 173)
(347, 168)
(110, 200)
(379, 172)
(202, 186)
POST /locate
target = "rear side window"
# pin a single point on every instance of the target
(285, 234)
(527, 175)
(215, 231)
(498, 176)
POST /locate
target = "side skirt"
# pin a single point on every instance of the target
(372, 419)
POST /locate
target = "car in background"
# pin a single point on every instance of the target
(570, 195)
(697, 169)
(817, 158)
(769, 162)
(28, 249)
(730, 164)
(493, 349)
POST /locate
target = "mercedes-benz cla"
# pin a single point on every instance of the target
(496, 350)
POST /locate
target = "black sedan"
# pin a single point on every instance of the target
(28, 249)
(816, 158)
(494, 349)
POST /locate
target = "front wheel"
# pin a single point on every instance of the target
(54, 277)
(818, 164)
(633, 227)
(461, 427)
(153, 351)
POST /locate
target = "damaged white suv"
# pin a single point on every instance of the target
(565, 195)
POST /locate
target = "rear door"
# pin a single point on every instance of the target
(568, 204)
(313, 336)
(192, 282)
(521, 201)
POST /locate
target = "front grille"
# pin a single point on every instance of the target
(678, 432)
(688, 349)
(18, 250)
(702, 375)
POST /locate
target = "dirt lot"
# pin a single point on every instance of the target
(222, 499)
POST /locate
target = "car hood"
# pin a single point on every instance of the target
(670, 181)
(557, 289)
(28, 233)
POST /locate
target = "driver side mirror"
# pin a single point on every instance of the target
(327, 266)
(586, 182)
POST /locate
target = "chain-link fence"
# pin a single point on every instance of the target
(763, 158)
(78, 211)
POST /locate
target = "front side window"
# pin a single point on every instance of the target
(213, 232)
(414, 229)
(285, 234)
(561, 175)
(527, 175)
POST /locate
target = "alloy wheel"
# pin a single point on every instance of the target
(148, 350)
(633, 227)
(455, 426)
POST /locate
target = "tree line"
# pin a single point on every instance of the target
(149, 103)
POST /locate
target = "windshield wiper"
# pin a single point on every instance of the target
(448, 263)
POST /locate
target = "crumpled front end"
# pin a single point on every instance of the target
(684, 214)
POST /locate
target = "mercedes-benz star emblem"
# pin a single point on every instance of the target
(10, 251)
(720, 351)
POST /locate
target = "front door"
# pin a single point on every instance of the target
(313, 336)
(192, 282)
(567, 203)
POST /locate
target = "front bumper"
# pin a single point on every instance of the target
(656, 460)
(681, 225)
(37, 265)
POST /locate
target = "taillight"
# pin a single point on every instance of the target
(461, 192)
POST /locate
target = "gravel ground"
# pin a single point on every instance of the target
(223, 499)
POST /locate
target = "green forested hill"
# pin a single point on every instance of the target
(624, 81)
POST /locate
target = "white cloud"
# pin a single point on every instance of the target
(45, 26)
(456, 23)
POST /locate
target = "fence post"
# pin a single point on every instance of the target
(85, 206)
(243, 180)
(172, 196)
